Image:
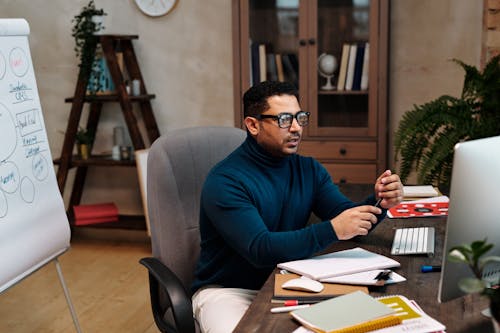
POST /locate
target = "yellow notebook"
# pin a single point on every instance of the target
(356, 312)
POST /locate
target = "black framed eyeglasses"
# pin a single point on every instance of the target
(285, 119)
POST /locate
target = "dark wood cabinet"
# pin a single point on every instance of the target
(348, 128)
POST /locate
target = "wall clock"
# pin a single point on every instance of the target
(156, 7)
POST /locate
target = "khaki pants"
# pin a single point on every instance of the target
(218, 310)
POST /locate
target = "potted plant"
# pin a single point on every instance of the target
(473, 256)
(86, 25)
(84, 139)
(427, 134)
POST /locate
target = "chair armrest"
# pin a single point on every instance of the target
(160, 276)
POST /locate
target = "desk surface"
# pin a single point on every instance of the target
(460, 315)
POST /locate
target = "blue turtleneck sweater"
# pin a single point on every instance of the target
(254, 213)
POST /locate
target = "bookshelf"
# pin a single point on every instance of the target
(112, 46)
(348, 128)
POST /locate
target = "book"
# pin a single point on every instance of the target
(271, 70)
(254, 53)
(95, 213)
(330, 290)
(339, 263)
(95, 220)
(355, 312)
(262, 63)
(367, 278)
(95, 210)
(414, 319)
(350, 67)
(279, 67)
(343, 67)
(434, 206)
(366, 68)
(290, 71)
(419, 191)
(358, 66)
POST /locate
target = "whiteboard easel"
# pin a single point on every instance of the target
(34, 228)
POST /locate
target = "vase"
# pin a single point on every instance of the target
(83, 150)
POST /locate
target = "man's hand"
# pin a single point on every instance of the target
(388, 189)
(355, 221)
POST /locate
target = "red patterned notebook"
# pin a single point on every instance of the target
(421, 209)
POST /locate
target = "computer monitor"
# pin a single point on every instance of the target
(474, 209)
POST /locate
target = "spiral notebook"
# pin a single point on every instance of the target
(356, 312)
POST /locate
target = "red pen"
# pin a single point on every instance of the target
(294, 302)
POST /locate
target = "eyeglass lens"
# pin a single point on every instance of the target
(285, 119)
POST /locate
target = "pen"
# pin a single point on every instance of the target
(293, 302)
(427, 268)
(281, 309)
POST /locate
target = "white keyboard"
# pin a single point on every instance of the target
(418, 240)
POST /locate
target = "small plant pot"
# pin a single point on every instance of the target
(83, 150)
(98, 20)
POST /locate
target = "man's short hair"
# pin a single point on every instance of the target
(255, 98)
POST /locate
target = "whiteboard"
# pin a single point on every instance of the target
(34, 227)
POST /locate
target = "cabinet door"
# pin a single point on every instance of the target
(342, 29)
(269, 33)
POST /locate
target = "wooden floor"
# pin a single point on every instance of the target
(108, 287)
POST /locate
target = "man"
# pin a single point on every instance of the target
(255, 205)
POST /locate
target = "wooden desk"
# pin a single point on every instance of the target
(460, 315)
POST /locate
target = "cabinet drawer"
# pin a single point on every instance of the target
(344, 150)
(352, 173)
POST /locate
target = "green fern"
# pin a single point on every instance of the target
(427, 134)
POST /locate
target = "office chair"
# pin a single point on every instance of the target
(178, 164)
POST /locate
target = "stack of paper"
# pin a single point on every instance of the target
(411, 192)
(413, 318)
(354, 312)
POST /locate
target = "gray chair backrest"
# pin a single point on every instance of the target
(178, 163)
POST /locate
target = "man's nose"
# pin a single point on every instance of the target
(295, 127)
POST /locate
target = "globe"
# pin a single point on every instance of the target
(327, 65)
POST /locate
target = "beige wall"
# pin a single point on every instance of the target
(424, 36)
(186, 60)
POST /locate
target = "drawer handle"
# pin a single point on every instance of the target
(343, 151)
(343, 180)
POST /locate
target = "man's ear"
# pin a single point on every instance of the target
(252, 125)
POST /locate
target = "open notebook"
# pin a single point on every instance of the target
(339, 263)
